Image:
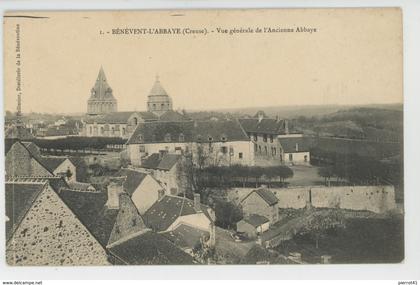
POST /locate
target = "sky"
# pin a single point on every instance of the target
(354, 57)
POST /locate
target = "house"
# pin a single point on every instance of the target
(171, 212)
(21, 161)
(261, 202)
(141, 187)
(164, 168)
(221, 142)
(60, 166)
(42, 230)
(114, 124)
(253, 225)
(264, 132)
(132, 243)
(296, 150)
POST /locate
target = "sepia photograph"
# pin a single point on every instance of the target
(204, 137)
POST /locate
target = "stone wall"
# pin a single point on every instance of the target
(50, 234)
(378, 199)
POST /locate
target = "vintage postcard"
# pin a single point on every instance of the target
(265, 136)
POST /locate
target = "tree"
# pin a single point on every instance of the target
(227, 214)
(320, 222)
(326, 172)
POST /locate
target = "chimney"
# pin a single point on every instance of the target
(115, 188)
(197, 203)
(161, 193)
(260, 116)
(286, 127)
(297, 147)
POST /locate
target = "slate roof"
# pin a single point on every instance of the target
(19, 199)
(157, 89)
(51, 163)
(199, 131)
(265, 194)
(33, 148)
(133, 180)
(255, 220)
(165, 211)
(217, 131)
(101, 87)
(153, 132)
(265, 126)
(185, 236)
(82, 187)
(110, 118)
(289, 144)
(89, 207)
(150, 249)
(161, 162)
(172, 116)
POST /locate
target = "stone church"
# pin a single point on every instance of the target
(101, 99)
(103, 119)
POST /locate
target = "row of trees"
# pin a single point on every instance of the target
(360, 170)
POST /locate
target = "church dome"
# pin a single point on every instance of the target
(158, 100)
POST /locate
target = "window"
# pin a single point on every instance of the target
(259, 148)
(140, 137)
(255, 137)
(266, 150)
(240, 155)
(305, 158)
(224, 138)
(255, 147)
(181, 137)
(231, 151)
(223, 149)
(135, 121)
(271, 138)
(142, 148)
(290, 157)
(210, 139)
(265, 138)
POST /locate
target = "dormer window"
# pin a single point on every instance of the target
(167, 137)
(223, 138)
(140, 137)
(199, 138)
(210, 139)
(181, 137)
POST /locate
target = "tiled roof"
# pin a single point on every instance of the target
(265, 126)
(82, 187)
(185, 236)
(51, 163)
(289, 144)
(172, 116)
(133, 180)
(162, 162)
(265, 194)
(164, 212)
(150, 249)
(33, 148)
(188, 131)
(256, 220)
(19, 199)
(89, 207)
(56, 182)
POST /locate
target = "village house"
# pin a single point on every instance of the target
(261, 202)
(132, 243)
(25, 159)
(272, 140)
(171, 212)
(20, 161)
(42, 230)
(141, 187)
(253, 225)
(296, 150)
(164, 168)
(209, 142)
